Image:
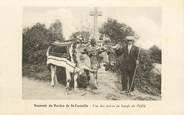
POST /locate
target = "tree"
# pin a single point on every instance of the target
(36, 38)
(115, 30)
(57, 30)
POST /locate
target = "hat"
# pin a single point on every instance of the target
(130, 38)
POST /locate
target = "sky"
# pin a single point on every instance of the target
(145, 21)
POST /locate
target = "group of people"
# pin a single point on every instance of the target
(87, 55)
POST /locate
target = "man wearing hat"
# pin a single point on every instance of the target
(128, 60)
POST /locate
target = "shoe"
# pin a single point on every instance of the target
(123, 92)
(88, 88)
(132, 93)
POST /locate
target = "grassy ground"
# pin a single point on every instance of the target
(38, 72)
(36, 85)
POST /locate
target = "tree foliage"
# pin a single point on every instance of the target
(115, 30)
(156, 54)
(57, 30)
(36, 40)
(144, 77)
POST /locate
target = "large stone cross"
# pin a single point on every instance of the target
(95, 13)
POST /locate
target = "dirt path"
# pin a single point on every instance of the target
(109, 89)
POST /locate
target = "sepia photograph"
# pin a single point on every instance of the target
(92, 53)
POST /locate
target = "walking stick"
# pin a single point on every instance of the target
(134, 73)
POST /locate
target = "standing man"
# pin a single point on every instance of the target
(128, 59)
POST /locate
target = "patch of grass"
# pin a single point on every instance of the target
(39, 72)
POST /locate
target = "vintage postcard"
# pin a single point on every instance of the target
(92, 57)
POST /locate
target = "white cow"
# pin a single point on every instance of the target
(53, 62)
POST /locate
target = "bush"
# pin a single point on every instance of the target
(38, 57)
(146, 81)
(156, 54)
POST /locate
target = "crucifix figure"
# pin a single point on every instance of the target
(95, 13)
